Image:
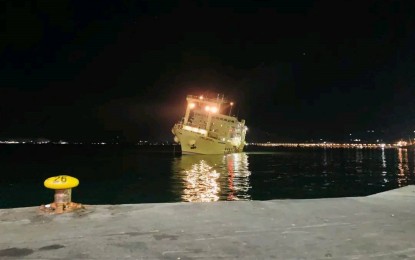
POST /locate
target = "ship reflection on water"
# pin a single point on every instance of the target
(238, 180)
(207, 178)
(201, 183)
(402, 175)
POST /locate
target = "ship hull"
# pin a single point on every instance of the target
(194, 143)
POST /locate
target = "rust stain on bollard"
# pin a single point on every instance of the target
(62, 185)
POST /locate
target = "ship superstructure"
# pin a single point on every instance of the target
(205, 129)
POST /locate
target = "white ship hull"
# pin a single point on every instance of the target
(195, 143)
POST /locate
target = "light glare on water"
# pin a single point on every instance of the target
(209, 177)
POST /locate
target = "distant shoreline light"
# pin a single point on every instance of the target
(61, 142)
(24, 142)
(399, 144)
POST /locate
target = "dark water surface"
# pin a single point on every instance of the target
(120, 175)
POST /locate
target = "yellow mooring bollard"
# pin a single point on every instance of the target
(62, 185)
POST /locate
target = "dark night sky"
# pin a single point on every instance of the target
(296, 69)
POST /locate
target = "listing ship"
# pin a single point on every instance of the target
(206, 129)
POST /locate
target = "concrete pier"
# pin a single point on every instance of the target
(381, 226)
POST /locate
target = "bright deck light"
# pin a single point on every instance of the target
(214, 109)
(207, 108)
(192, 105)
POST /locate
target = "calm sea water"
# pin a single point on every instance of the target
(119, 175)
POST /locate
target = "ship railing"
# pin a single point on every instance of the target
(200, 125)
(197, 129)
(213, 135)
(194, 129)
(181, 124)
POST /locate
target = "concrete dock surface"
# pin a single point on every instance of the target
(381, 226)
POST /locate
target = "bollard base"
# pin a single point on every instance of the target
(59, 208)
(62, 203)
